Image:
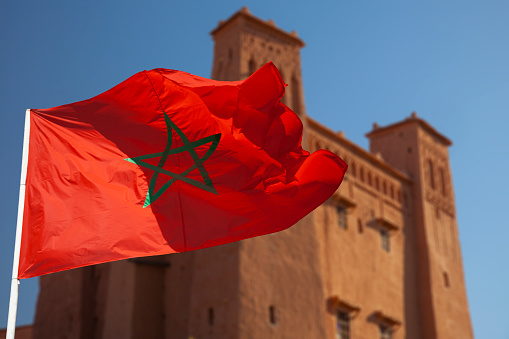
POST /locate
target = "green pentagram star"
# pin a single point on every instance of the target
(188, 147)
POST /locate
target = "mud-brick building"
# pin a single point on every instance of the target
(380, 259)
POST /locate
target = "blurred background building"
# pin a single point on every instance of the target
(380, 259)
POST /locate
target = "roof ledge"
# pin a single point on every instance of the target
(386, 320)
(335, 304)
(344, 201)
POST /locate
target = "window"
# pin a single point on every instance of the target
(341, 211)
(446, 280)
(431, 174)
(353, 170)
(385, 332)
(444, 184)
(251, 66)
(385, 237)
(360, 227)
(272, 315)
(211, 316)
(342, 325)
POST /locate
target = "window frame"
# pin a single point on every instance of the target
(385, 238)
(385, 331)
(343, 324)
(341, 216)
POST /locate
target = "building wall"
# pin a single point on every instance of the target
(356, 267)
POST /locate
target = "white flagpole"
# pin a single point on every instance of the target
(13, 303)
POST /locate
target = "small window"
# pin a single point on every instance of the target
(444, 184)
(272, 315)
(342, 325)
(341, 211)
(377, 184)
(431, 174)
(360, 227)
(370, 181)
(353, 170)
(386, 243)
(446, 280)
(251, 66)
(361, 174)
(220, 69)
(385, 332)
(211, 316)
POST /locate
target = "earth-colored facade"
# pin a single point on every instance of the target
(380, 259)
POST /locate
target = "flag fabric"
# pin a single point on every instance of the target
(166, 162)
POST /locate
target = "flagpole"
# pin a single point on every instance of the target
(13, 303)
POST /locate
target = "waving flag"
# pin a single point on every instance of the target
(166, 162)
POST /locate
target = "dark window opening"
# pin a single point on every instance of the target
(220, 69)
(341, 216)
(385, 332)
(272, 315)
(211, 316)
(360, 227)
(444, 184)
(342, 325)
(431, 174)
(446, 280)
(353, 170)
(251, 66)
(385, 237)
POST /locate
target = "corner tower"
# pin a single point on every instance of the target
(244, 43)
(416, 148)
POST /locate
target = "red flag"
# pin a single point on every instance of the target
(166, 162)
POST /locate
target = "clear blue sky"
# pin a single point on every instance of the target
(364, 61)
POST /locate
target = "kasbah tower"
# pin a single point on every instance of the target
(380, 259)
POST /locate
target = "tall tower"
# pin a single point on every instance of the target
(244, 43)
(279, 275)
(417, 149)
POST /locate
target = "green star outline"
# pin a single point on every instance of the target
(189, 147)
